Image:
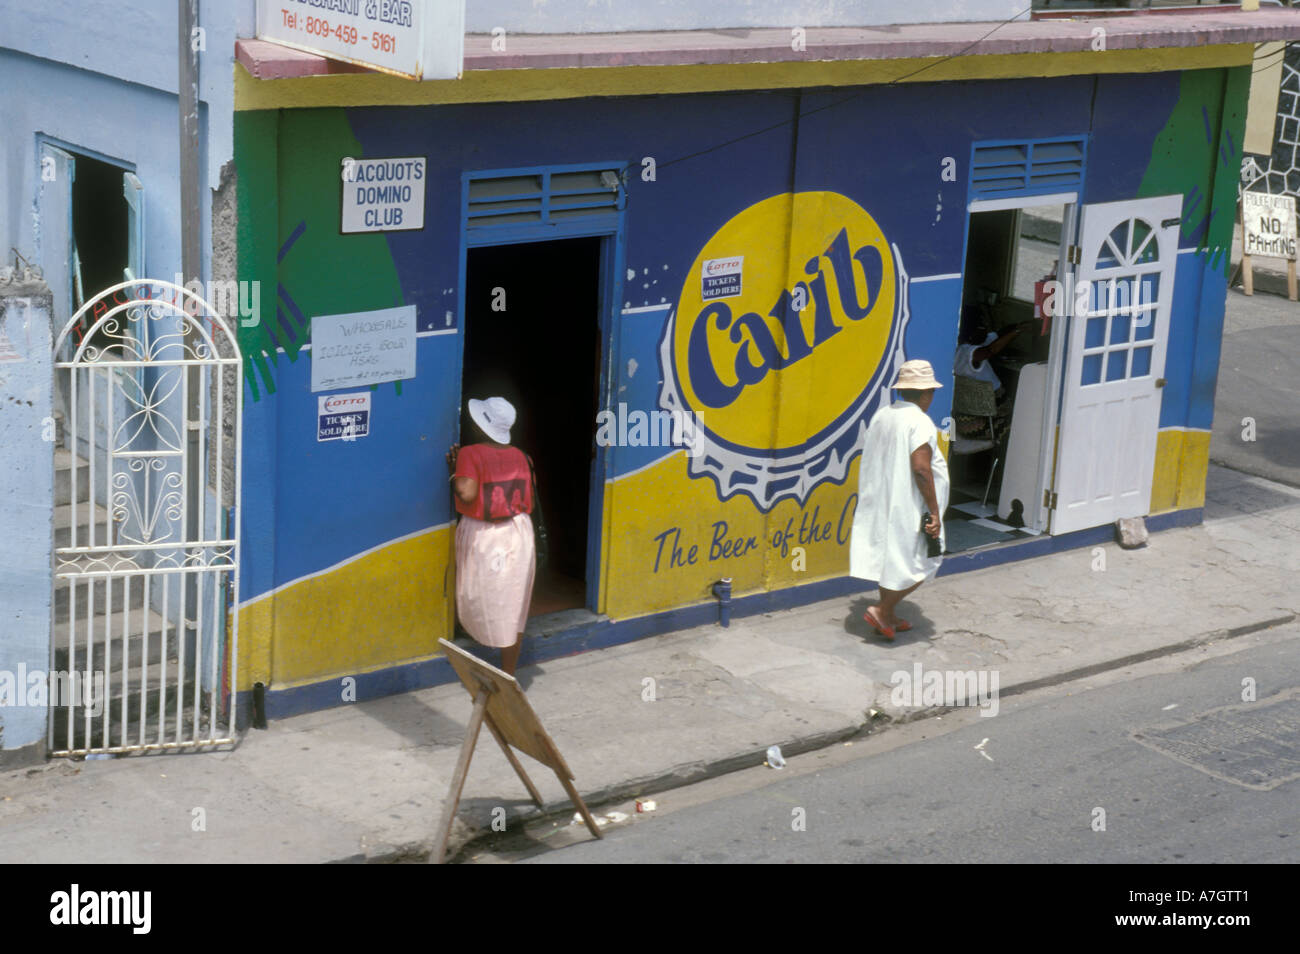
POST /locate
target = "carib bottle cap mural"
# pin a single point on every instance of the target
(780, 353)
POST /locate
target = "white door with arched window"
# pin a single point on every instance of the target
(1115, 362)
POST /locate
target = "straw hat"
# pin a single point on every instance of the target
(916, 375)
(494, 417)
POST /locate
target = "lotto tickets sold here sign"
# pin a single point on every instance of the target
(1268, 225)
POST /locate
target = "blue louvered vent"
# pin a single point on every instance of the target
(498, 202)
(1035, 167)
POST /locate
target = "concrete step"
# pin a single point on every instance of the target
(151, 707)
(63, 460)
(83, 512)
(86, 589)
(161, 640)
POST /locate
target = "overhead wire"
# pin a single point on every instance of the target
(846, 99)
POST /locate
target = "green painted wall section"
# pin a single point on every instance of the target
(326, 272)
(1200, 144)
(257, 196)
(289, 204)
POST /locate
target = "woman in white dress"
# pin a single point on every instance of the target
(902, 475)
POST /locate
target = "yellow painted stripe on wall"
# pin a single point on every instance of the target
(1195, 469)
(485, 86)
(1182, 464)
(256, 624)
(661, 498)
(1164, 479)
(383, 609)
(389, 607)
(606, 550)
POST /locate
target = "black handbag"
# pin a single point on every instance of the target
(541, 540)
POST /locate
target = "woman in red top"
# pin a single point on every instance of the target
(495, 555)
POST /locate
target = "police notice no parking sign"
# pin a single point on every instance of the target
(1268, 225)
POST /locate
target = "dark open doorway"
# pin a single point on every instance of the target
(999, 377)
(99, 226)
(532, 336)
(100, 238)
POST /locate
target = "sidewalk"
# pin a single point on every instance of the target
(366, 782)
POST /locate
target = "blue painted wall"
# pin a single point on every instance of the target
(883, 147)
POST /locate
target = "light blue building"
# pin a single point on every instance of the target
(90, 195)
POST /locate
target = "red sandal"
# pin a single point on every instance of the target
(881, 628)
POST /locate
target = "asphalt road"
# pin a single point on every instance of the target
(1259, 378)
(1022, 786)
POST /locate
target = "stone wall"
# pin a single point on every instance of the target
(225, 270)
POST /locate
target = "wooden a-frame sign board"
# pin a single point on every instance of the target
(501, 704)
(1253, 225)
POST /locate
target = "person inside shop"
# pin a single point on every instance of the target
(902, 478)
(496, 559)
(974, 359)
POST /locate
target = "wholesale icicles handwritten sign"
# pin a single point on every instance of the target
(368, 347)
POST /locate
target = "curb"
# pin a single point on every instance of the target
(1036, 227)
(1266, 281)
(1285, 479)
(690, 773)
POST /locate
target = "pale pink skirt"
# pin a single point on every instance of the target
(495, 566)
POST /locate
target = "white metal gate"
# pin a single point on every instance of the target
(144, 648)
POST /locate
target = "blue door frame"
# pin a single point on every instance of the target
(612, 247)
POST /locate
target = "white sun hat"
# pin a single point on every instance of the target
(494, 417)
(916, 375)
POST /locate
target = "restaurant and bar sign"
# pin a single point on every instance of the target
(418, 39)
